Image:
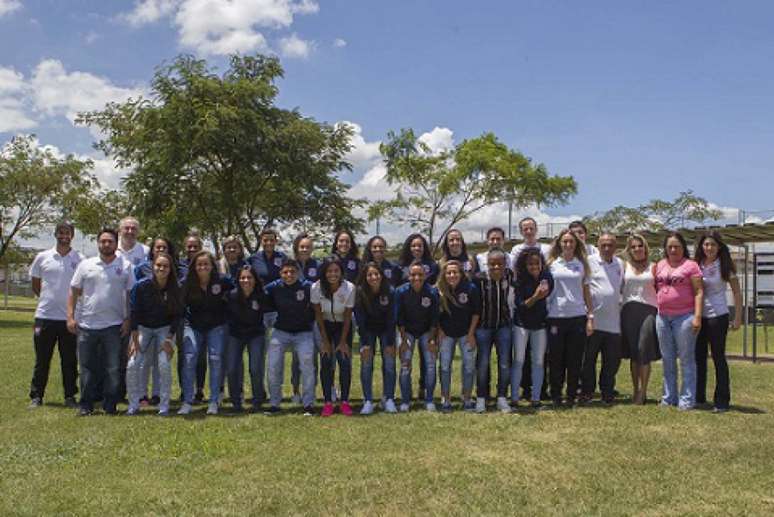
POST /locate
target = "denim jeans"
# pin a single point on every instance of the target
(235, 367)
(303, 344)
(99, 356)
(295, 366)
(405, 368)
(195, 343)
(468, 351)
(501, 337)
(677, 340)
(537, 339)
(328, 363)
(150, 349)
(386, 340)
(151, 372)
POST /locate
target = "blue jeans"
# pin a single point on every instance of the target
(537, 339)
(386, 340)
(235, 367)
(301, 343)
(677, 340)
(468, 350)
(502, 339)
(151, 352)
(99, 356)
(405, 368)
(194, 343)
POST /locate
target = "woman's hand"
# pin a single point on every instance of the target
(472, 345)
(343, 348)
(737, 322)
(589, 326)
(365, 353)
(326, 348)
(166, 345)
(696, 324)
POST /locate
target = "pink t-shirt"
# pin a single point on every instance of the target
(674, 291)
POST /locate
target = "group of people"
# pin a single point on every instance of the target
(549, 312)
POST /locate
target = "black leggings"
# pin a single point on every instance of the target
(713, 332)
(566, 342)
(328, 363)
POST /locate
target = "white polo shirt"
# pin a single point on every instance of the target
(484, 267)
(566, 300)
(545, 250)
(103, 291)
(605, 287)
(343, 298)
(136, 255)
(55, 272)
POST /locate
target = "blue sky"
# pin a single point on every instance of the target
(635, 99)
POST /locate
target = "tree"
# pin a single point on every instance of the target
(436, 191)
(37, 189)
(214, 152)
(656, 215)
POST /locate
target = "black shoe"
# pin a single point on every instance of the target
(535, 404)
(111, 411)
(155, 400)
(70, 402)
(271, 411)
(36, 402)
(84, 411)
(308, 411)
(557, 402)
(238, 408)
(199, 397)
(718, 410)
(570, 402)
(608, 399)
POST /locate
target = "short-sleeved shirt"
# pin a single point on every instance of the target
(715, 303)
(136, 256)
(483, 266)
(517, 250)
(605, 286)
(55, 272)
(343, 298)
(103, 291)
(566, 300)
(674, 290)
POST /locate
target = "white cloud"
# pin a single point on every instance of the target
(91, 37)
(8, 6)
(14, 114)
(438, 140)
(295, 47)
(149, 11)
(339, 43)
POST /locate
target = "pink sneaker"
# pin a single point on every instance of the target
(327, 409)
(346, 410)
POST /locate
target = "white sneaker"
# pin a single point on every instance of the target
(404, 408)
(185, 409)
(368, 408)
(212, 409)
(132, 410)
(389, 406)
(430, 407)
(480, 405)
(296, 399)
(502, 405)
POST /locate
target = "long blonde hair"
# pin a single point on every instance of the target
(444, 289)
(630, 258)
(580, 251)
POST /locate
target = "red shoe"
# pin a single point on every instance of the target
(346, 410)
(327, 409)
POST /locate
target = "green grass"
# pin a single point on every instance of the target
(592, 460)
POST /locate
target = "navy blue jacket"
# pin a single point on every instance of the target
(206, 310)
(292, 304)
(392, 272)
(310, 270)
(417, 312)
(233, 269)
(378, 317)
(267, 270)
(470, 266)
(351, 268)
(431, 271)
(534, 317)
(245, 317)
(149, 309)
(466, 304)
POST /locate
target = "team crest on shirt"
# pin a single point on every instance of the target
(255, 305)
(118, 271)
(463, 298)
(351, 265)
(216, 289)
(426, 302)
(73, 264)
(426, 268)
(384, 300)
(312, 272)
(277, 261)
(300, 295)
(575, 268)
(467, 266)
(388, 273)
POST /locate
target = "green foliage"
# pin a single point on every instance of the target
(215, 153)
(37, 189)
(435, 192)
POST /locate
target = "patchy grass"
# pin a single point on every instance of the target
(591, 460)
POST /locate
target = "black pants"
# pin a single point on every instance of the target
(49, 333)
(328, 363)
(713, 332)
(566, 341)
(610, 346)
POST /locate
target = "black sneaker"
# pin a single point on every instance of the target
(535, 404)
(36, 402)
(308, 411)
(718, 410)
(155, 400)
(557, 402)
(84, 411)
(271, 411)
(70, 402)
(238, 408)
(199, 397)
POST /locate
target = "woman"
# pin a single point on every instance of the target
(309, 269)
(570, 317)
(460, 302)
(333, 299)
(375, 317)
(417, 319)
(204, 296)
(680, 300)
(718, 269)
(246, 305)
(154, 311)
(375, 250)
(534, 283)
(346, 249)
(233, 258)
(454, 248)
(145, 268)
(638, 315)
(415, 248)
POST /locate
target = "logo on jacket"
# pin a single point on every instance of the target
(388, 273)
(312, 272)
(351, 265)
(426, 302)
(255, 305)
(277, 261)
(300, 295)
(463, 298)
(384, 300)
(216, 289)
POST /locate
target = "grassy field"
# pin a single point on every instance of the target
(591, 460)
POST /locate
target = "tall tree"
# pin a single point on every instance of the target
(214, 152)
(436, 191)
(38, 188)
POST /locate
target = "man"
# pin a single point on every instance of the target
(102, 286)
(51, 273)
(606, 279)
(267, 261)
(495, 237)
(580, 230)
